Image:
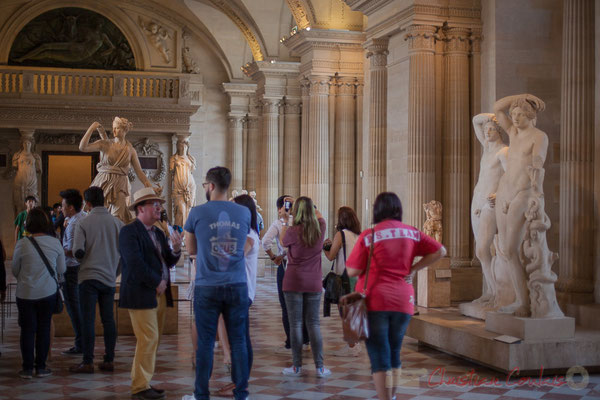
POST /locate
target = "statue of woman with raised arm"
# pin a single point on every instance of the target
(521, 181)
(181, 165)
(117, 155)
(483, 214)
(28, 165)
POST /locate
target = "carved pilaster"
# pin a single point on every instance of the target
(269, 189)
(421, 121)
(345, 143)
(305, 86)
(456, 141)
(253, 124)
(576, 284)
(236, 154)
(291, 150)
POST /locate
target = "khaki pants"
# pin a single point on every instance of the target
(147, 327)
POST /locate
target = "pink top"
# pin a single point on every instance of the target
(303, 273)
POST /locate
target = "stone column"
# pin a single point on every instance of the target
(345, 144)
(377, 54)
(358, 111)
(291, 150)
(269, 189)
(253, 152)
(245, 152)
(456, 144)
(305, 85)
(317, 185)
(576, 276)
(236, 154)
(421, 122)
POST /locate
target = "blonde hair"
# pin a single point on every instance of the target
(304, 215)
(123, 123)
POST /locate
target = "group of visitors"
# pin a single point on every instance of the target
(223, 237)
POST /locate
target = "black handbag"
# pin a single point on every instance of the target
(59, 305)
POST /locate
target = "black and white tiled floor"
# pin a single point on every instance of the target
(350, 377)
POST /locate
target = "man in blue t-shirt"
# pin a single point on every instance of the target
(216, 232)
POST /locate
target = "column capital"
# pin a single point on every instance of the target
(457, 40)
(421, 37)
(270, 106)
(319, 85)
(346, 86)
(475, 37)
(235, 121)
(377, 51)
(292, 106)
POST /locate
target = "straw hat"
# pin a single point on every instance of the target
(144, 194)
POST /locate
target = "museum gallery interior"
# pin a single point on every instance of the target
(483, 116)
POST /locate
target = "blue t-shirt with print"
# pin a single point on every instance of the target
(221, 228)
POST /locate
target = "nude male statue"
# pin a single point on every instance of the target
(525, 160)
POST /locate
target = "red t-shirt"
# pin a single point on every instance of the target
(396, 245)
(303, 272)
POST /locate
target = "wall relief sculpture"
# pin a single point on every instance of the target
(72, 38)
(158, 36)
(147, 152)
(519, 277)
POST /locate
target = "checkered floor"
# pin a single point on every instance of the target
(350, 379)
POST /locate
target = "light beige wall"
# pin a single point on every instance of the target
(526, 58)
(397, 117)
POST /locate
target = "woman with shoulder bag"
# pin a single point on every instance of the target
(302, 286)
(338, 250)
(37, 260)
(389, 298)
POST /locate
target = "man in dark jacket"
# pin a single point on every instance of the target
(145, 286)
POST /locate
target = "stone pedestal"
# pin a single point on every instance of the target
(530, 328)
(475, 310)
(465, 284)
(433, 284)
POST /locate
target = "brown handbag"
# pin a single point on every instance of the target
(355, 323)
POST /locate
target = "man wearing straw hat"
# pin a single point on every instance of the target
(145, 286)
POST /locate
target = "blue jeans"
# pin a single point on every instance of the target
(248, 341)
(71, 294)
(386, 332)
(34, 320)
(231, 301)
(284, 313)
(91, 292)
(304, 308)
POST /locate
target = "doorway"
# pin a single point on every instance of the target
(66, 170)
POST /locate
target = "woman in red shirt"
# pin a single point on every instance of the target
(302, 287)
(390, 299)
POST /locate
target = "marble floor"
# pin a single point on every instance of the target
(428, 374)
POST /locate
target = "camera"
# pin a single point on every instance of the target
(327, 246)
(178, 228)
(288, 205)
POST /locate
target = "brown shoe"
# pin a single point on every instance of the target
(226, 391)
(106, 366)
(82, 368)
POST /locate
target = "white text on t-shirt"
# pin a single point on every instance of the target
(393, 233)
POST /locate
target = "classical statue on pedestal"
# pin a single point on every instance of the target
(27, 165)
(117, 155)
(433, 224)
(483, 214)
(181, 165)
(522, 221)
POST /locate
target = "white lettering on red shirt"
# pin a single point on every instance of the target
(393, 233)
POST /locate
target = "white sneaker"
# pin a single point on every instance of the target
(188, 397)
(292, 371)
(323, 372)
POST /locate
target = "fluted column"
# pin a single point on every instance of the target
(236, 155)
(377, 54)
(245, 152)
(291, 150)
(345, 138)
(576, 274)
(253, 152)
(456, 142)
(317, 186)
(358, 111)
(421, 122)
(305, 85)
(269, 189)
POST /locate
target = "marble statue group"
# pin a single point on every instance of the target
(507, 212)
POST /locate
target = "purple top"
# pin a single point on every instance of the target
(303, 273)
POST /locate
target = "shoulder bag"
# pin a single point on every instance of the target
(355, 322)
(58, 307)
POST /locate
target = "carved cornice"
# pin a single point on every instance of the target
(305, 40)
(421, 37)
(367, 7)
(239, 89)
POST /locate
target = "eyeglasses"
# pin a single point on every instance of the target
(156, 204)
(205, 184)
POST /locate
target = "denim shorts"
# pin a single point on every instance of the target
(386, 331)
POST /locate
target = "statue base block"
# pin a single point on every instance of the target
(474, 310)
(433, 284)
(530, 328)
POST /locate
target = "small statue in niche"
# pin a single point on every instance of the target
(159, 36)
(433, 224)
(27, 165)
(181, 165)
(189, 64)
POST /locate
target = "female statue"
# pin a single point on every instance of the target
(483, 215)
(28, 165)
(117, 155)
(521, 181)
(181, 165)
